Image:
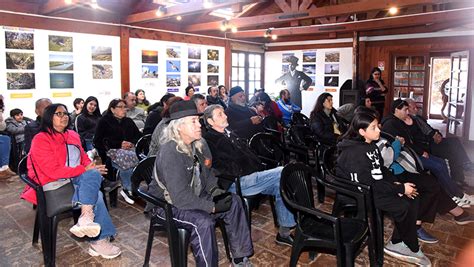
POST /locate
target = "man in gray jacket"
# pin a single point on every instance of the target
(183, 175)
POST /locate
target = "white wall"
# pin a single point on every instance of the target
(273, 70)
(84, 84)
(156, 88)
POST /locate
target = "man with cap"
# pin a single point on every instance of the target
(295, 81)
(185, 180)
(243, 120)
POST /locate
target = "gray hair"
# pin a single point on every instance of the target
(410, 100)
(209, 111)
(171, 133)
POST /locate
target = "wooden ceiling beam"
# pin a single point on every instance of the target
(305, 4)
(58, 6)
(193, 7)
(283, 5)
(366, 25)
(326, 11)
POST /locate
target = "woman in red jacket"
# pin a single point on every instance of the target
(56, 154)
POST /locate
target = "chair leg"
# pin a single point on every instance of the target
(248, 211)
(36, 229)
(149, 244)
(46, 241)
(296, 249)
(183, 247)
(54, 232)
(321, 192)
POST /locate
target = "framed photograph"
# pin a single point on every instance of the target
(194, 80)
(173, 80)
(149, 71)
(194, 52)
(331, 81)
(173, 52)
(20, 61)
(212, 54)
(16, 80)
(60, 43)
(194, 66)
(313, 80)
(102, 71)
(150, 56)
(285, 57)
(331, 57)
(212, 80)
(309, 69)
(212, 68)
(101, 53)
(61, 62)
(331, 69)
(61, 80)
(173, 66)
(19, 40)
(309, 57)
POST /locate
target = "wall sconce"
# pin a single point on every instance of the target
(161, 11)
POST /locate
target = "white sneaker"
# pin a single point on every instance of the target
(127, 197)
(404, 253)
(462, 202)
(469, 198)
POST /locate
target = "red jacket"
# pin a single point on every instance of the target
(49, 154)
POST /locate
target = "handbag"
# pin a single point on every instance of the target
(124, 158)
(58, 194)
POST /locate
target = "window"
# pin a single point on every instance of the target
(409, 77)
(247, 71)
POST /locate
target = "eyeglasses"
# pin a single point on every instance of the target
(61, 114)
(120, 106)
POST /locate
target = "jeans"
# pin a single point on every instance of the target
(89, 144)
(125, 176)
(439, 169)
(268, 183)
(4, 150)
(87, 192)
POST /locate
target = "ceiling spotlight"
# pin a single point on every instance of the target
(94, 4)
(268, 32)
(68, 2)
(224, 25)
(179, 18)
(274, 36)
(393, 10)
(207, 3)
(233, 29)
(160, 11)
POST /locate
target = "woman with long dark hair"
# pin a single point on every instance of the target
(86, 122)
(56, 155)
(325, 123)
(375, 89)
(142, 102)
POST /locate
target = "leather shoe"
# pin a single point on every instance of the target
(286, 241)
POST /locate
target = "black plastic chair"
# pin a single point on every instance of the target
(298, 118)
(350, 208)
(178, 238)
(143, 146)
(315, 228)
(45, 226)
(269, 149)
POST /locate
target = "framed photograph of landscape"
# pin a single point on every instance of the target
(309, 57)
(194, 66)
(331, 57)
(60, 43)
(102, 71)
(19, 40)
(61, 80)
(20, 61)
(149, 71)
(173, 52)
(194, 80)
(212, 68)
(149, 56)
(17, 80)
(173, 80)
(194, 52)
(61, 62)
(101, 53)
(212, 80)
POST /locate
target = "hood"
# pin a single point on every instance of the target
(351, 144)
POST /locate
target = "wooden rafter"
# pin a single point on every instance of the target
(336, 10)
(193, 7)
(366, 25)
(57, 6)
(283, 5)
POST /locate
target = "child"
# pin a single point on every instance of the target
(16, 126)
(361, 161)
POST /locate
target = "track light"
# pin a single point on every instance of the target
(274, 36)
(160, 11)
(94, 4)
(268, 33)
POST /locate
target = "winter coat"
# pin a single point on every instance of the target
(323, 128)
(240, 123)
(397, 127)
(86, 125)
(17, 129)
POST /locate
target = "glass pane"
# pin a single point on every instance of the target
(464, 64)
(251, 60)
(241, 59)
(455, 63)
(235, 83)
(252, 74)
(241, 84)
(401, 78)
(258, 84)
(241, 75)
(402, 63)
(235, 59)
(258, 61)
(235, 75)
(258, 73)
(418, 63)
(417, 78)
(400, 92)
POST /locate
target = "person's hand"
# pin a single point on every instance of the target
(410, 190)
(256, 119)
(90, 166)
(102, 169)
(127, 145)
(216, 191)
(401, 139)
(425, 155)
(437, 138)
(222, 202)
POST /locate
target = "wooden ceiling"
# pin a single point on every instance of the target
(290, 20)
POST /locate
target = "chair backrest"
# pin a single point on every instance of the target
(143, 146)
(298, 118)
(143, 172)
(329, 160)
(23, 173)
(296, 186)
(268, 148)
(299, 135)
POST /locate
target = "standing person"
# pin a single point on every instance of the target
(325, 123)
(142, 102)
(5, 142)
(287, 107)
(223, 94)
(86, 122)
(32, 128)
(78, 105)
(375, 89)
(56, 155)
(189, 92)
(186, 180)
(360, 161)
(295, 80)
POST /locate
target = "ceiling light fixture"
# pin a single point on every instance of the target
(393, 10)
(179, 18)
(94, 4)
(160, 11)
(224, 25)
(233, 29)
(274, 36)
(268, 33)
(207, 3)
(68, 2)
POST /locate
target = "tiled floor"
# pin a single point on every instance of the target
(17, 217)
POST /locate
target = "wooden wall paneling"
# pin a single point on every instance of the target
(228, 64)
(125, 59)
(175, 37)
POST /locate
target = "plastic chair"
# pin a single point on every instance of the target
(44, 225)
(315, 228)
(298, 118)
(143, 146)
(178, 238)
(269, 149)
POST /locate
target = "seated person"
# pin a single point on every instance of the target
(186, 181)
(395, 125)
(5, 146)
(201, 104)
(214, 98)
(158, 132)
(233, 159)
(325, 123)
(32, 128)
(16, 126)
(56, 154)
(86, 122)
(287, 107)
(243, 120)
(154, 114)
(133, 112)
(116, 131)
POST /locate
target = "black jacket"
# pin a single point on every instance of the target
(215, 101)
(153, 118)
(111, 132)
(397, 127)
(230, 156)
(362, 162)
(31, 129)
(86, 125)
(323, 129)
(240, 123)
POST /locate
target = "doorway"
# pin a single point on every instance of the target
(440, 73)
